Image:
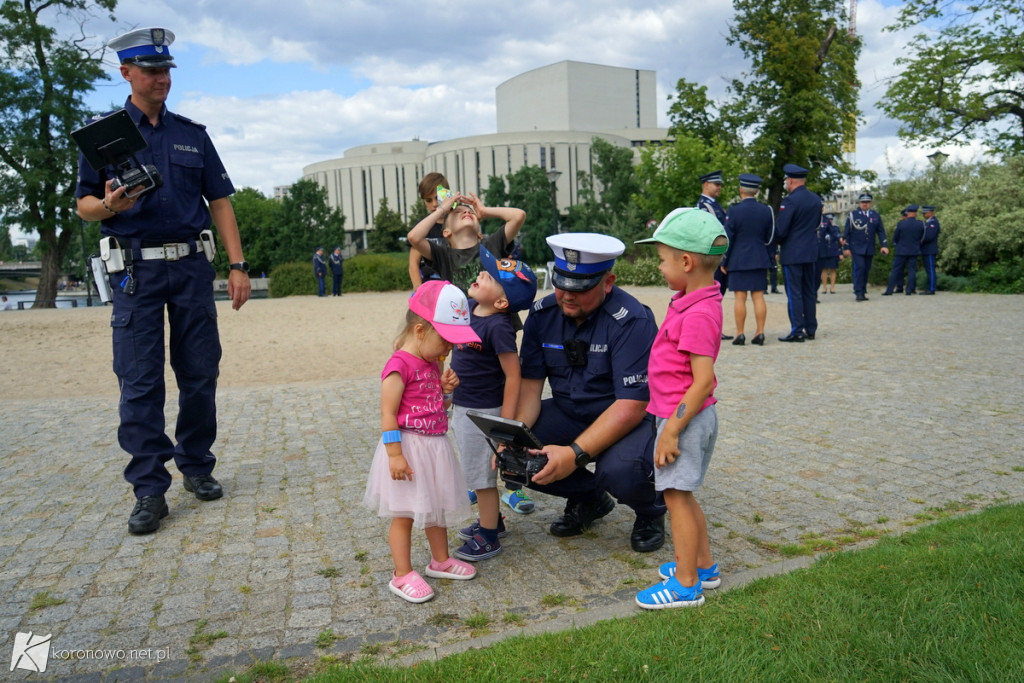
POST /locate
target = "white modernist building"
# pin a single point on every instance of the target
(546, 117)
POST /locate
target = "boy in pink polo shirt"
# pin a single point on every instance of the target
(681, 377)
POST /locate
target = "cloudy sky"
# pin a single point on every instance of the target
(283, 84)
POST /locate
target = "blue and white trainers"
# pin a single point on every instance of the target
(709, 578)
(473, 529)
(477, 548)
(670, 593)
(519, 501)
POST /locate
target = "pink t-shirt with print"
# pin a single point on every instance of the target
(422, 407)
(693, 324)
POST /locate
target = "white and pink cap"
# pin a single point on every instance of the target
(444, 306)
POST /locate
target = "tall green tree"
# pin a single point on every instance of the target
(259, 226)
(530, 190)
(965, 80)
(798, 101)
(43, 78)
(388, 229)
(307, 222)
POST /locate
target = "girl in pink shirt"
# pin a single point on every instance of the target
(415, 478)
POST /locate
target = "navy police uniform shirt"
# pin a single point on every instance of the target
(930, 241)
(181, 150)
(749, 226)
(906, 239)
(861, 231)
(795, 231)
(828, 240)
(706, 203)
(614, 342)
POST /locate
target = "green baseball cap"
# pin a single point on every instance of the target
(690, 230)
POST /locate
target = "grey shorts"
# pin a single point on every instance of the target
(474, 452)
(696, 444)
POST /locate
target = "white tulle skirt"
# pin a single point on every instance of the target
(436, 496)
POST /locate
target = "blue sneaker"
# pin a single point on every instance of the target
(519, 501)
(477, 548)
(473, 529)
(472, 496)
(709, 578)
(670, 593)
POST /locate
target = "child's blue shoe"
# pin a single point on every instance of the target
(519, 501)
(473, 529)
(709, 578)
(670, 593)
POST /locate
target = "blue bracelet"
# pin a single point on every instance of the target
(392, 436)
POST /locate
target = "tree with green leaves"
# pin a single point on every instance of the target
(42, 80)
(798, 101)
(388, 229)
(530, 190)
(963, 75)
(259, 219)
(306, 223)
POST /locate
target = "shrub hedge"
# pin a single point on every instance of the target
(363, 273)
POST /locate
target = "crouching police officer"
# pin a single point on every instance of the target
(591, 341)
(163, 265)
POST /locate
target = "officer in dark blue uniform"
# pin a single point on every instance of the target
(710, 191)
(930, 246)
(165, 269)
(828, 252)
(590, 340)
(320, 271)
(796, 234)
(906, 242)
(750, 226)
(863, 227)
(337, 264)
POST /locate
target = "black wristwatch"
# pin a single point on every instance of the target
(582, 457)
(241, 265)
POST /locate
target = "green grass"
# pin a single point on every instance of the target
(944, 602)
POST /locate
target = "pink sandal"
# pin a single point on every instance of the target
(411, 587)
(450, 569)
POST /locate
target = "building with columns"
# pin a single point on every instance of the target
(546, 117)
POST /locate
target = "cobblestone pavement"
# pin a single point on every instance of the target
(902, 404)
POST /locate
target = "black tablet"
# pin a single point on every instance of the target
(504, 430)
(109, 141)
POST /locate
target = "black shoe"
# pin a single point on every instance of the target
(792, 338)
(887, 293)
(146, 515)
(899, 290)
(648, 534)
(861, 297)
(809, 337)
(726, 337)
(739, 341)
(910, 293)
(775, 291)
(579, 515)
(927, 293)
(203, 485)
(759, 340)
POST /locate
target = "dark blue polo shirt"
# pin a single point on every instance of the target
(616, 340)
(181, 150)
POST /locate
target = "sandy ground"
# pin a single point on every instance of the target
(67, 352)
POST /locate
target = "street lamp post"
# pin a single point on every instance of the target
(937, 157)
(553, 175)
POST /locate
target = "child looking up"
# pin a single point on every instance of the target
(415, 478)
(489, 382)
(457, 258)
(681, 376)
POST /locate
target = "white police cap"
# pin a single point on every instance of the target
(145, 47)
(582, 259)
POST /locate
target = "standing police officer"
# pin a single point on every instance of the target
(337, 271)
(320, 271)
(165, 267)
(930, 246)
(906, 242)
(710, 191)
(750, 226)
(863, 226)
(591, 341)
(796, 233)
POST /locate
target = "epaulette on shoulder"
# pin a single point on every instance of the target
(623, 308)
(546, 302)
(185, 119)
